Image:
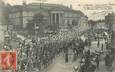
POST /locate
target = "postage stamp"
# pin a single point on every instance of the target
(8, 60)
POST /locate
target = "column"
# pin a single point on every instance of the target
(61, 23)
(51, 18)
(55, 25)
(55, 18)
(59, 19)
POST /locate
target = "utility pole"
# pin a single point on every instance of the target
(36, 31)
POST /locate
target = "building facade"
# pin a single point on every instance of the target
(0, 12)
(3, 26)
(3, 13)
(110, 21)
(54, 16)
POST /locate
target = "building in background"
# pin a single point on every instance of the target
(110, 21)
(55, 17)
(0, 12)
(3, 26)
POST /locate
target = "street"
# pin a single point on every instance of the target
(59, 64)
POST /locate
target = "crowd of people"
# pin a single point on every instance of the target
(34, 55)
(37, 56)
(90, 61)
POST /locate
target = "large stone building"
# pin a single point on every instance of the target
(110, 21)
(3, 26)
(54, 16)
(0, 12)
(4, 18)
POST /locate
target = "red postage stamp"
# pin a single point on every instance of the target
(8, 60)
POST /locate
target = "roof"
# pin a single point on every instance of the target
(13, 9)
(38, 6)
(47, 6)
(43, 7)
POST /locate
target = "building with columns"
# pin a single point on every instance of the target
(55, 16)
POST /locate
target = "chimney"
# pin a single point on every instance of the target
(71, 6)
(24, 3)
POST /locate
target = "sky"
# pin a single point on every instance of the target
(98, 11)
(65, 1)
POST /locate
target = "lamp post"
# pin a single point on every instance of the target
(36, 31)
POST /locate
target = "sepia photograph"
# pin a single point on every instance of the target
(57, 35)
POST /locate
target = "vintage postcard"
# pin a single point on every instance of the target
(57, 35)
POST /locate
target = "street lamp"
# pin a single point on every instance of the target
(36, 30)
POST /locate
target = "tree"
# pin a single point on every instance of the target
(38, 18)
(37, 21)
(74, 23)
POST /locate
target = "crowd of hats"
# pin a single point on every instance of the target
(38, 55)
